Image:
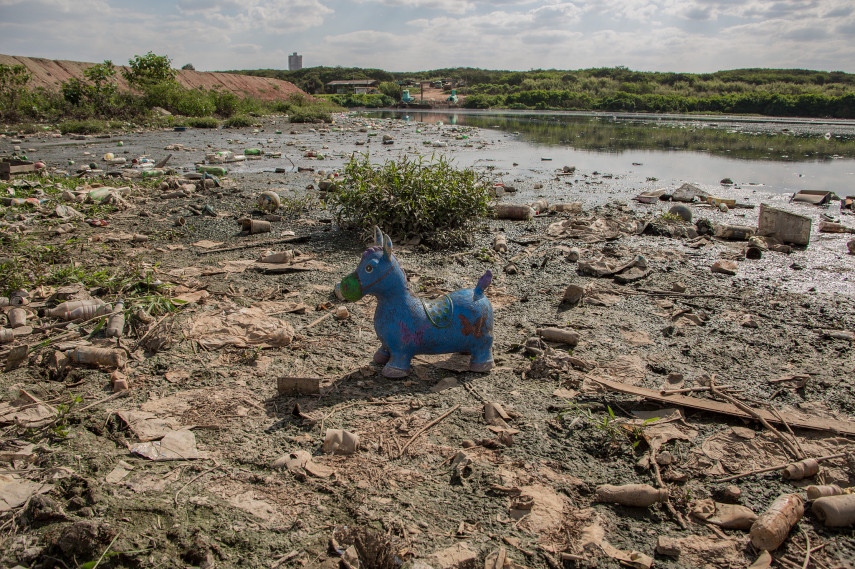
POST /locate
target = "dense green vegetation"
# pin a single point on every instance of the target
(428, 198)
(86, 104)
(368, 101)
(776, 92)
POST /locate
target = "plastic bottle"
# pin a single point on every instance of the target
(513, 211)
(64, 310)
(540, 206)
(815, 492)
(116, 322)
(500, 244)
(774, 525)
(803, 469)
(284, 257)
(252, 152)
(639, 495)
(559, 335)
(214, 170)
(96, 356)
(89, 311)
(835, 511)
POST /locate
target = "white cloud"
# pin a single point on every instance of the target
(674, 35)
(450, 6)
(278, 16)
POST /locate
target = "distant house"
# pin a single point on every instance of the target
(352, 86)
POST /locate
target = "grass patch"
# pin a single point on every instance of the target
(428, 198)
(313, 114)
(203, 122)
(88, 126)
(238, 121)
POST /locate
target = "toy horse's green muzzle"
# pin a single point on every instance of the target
(351, 289)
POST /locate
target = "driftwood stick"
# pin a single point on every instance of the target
(788, 446)
(426, 427)
(651, 292)
(673, 511)
(692, 389)
(807, 549)
(150, 330)
(337, 409)
(299, 239)
(319, 320)
(789, 430)
(779, 467)
(116, 395)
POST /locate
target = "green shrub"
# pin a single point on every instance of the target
(203, 122)
(411, 197)
(28, 128)
(238, 121)
(88, 126)
(225, 103)
(310, 114)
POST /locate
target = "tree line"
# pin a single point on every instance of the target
(778, 92)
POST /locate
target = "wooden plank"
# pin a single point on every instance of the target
(816, 423)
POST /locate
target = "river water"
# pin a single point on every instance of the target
(781, 156)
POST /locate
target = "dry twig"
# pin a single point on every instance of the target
(426, 427)
(788, 446)
(779, 467)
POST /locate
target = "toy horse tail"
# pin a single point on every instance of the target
(482, 285)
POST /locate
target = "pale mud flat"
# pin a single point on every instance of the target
(416, 489)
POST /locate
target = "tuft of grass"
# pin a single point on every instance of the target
(89, 126)
(428, 198)
(203, 122)
(294, 207)
(238, 121)
(313, 114)
(668, 216)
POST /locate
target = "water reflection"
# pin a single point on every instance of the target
(770, 142)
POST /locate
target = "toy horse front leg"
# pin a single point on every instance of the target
(398, 365)
(382, 355)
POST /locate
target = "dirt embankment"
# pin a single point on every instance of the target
(51, 73)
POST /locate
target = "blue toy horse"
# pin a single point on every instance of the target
(461, 321)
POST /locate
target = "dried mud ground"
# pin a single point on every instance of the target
(412, 494)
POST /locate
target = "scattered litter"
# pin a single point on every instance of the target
(15, 491)
(835, 511)
(773, 526)
(639, 495)
(175, 445)
(338, 441)
(298, 385)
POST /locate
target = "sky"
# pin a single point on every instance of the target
(691, 36)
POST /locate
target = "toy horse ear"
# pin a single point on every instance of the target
(387, 247)
(378, 236)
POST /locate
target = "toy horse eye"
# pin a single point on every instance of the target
(369, 268)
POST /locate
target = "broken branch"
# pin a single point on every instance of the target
(779, 467)
(426, 427)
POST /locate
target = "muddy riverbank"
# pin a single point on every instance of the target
(435, 480)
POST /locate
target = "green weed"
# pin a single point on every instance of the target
(88, 126)
(203, 122)
(668, 216)
(411, 197)
(238, 121)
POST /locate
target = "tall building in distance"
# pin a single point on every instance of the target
(295, 62)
